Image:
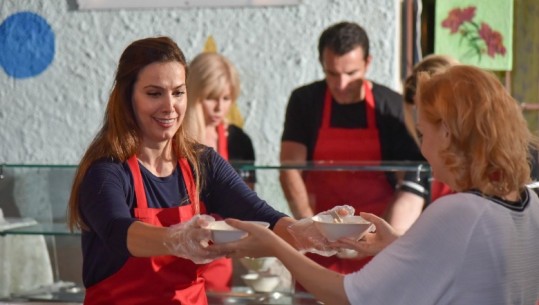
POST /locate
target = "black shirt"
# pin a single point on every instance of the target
(304, 118)
(241, 152)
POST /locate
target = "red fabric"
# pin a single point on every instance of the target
(222, 142)
(365, 191)
(159, 279)
(439, 189)
(218, 274)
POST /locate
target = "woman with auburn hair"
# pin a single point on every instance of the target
(476, 246)
(143, 185)
(213, 86)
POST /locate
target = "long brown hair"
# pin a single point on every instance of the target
(119, 137)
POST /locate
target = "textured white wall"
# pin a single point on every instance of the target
(51, 118)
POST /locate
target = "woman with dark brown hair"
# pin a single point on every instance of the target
(143, 186)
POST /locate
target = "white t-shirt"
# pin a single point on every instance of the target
(464, 249)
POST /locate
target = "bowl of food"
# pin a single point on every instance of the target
(352, 226)
(261, 282)
(260, 264)
(221, 232)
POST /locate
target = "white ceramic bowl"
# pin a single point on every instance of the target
(261, 282)
(354, 227)
(222, 233)
(260, 264)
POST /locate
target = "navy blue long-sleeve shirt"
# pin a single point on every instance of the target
(107, 201)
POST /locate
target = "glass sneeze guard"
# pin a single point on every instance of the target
(41, 191)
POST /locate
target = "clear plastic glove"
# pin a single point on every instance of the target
(309, 239)
(190, 240)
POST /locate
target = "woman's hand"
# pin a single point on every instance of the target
(309, 239)
(260, 241)
(372, 243)
(190, 240)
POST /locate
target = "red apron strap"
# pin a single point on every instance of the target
(222, 143)
(137, 181)
(189, 179)
(326, 116)
(371, 113)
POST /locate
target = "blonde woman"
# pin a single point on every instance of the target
(214, 86)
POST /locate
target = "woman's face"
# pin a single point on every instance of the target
(215, 109)
(433, 138)
(159, 101)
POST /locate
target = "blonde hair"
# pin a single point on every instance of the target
(489, 137)
(432, 64)
(210, 75)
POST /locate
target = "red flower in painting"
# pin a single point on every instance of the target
(480, 39)
(457, 17)
(493, 39)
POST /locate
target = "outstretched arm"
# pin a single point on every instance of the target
(188, 240)
(326, 285)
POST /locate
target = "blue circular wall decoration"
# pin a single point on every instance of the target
(26, 45)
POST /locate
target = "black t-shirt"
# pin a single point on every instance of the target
(304, 118)
(241, 152)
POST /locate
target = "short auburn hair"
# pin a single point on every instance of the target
(489, 137)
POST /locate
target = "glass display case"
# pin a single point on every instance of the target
(41, 192)
(41, 259)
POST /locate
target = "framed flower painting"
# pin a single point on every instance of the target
(476, 32)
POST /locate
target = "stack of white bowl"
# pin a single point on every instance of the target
(265, 274)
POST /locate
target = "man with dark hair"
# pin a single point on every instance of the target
(347, 118)
(342, 38)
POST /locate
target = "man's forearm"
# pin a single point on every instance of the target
(296, 193)
(404, 211)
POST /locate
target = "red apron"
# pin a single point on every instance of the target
(218, 274)
(365, 191)
(158, 279)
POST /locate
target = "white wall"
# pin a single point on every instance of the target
(51, 118)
